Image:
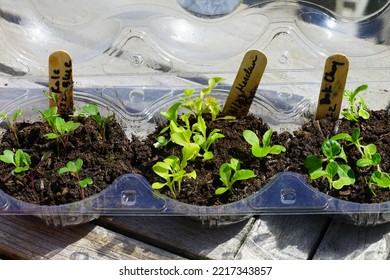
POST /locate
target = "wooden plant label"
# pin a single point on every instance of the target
(245, 85)
(61, 82)
(332, 87)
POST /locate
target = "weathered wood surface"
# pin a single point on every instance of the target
(343, 241)
(184, 236)
(284, 237)
(264, 237)
(30, 238)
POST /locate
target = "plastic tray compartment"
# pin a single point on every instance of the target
(134, 57)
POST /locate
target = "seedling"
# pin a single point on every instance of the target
(172, 170)
(368, 152)
(61, 130)
(356, 109)
(50, 115)
(369, 158)
(184, 135)
(265, 148)
(53, 96)
(93, 111)
(20, 160)
(332, 151)
(202, 104)
(230, 173)
(12, 123)
(204, 140)
(181, 135)
(74, 167)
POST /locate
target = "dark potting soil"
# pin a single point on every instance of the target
(104, 163)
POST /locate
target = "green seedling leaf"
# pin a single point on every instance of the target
(264, 149)
(369, 150)
(172, 170)
(229, 173)
(364, 162)
(277, 149)
(51, 136)
(90, 109)
(20, 160)
(267, 138)
(381, 179)
(8, 157)
(346, 177)
(356, 109)
(331, 148)
(203, 140)
(188, 92)
(332, 168)
(243, 174)
(250, 137)
(84, 183)
(332, 151)
(171, 114)
(189, 152)
(158, 185)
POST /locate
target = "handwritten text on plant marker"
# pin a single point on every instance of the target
(61, 82)
(332, 87)
(245, 84)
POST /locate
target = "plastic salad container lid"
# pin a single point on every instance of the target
(133, 57)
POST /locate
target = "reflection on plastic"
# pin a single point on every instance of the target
(210, 8)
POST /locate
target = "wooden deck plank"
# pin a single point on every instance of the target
(284, 237)
(182, 235)
(344, 241)
(31, 238)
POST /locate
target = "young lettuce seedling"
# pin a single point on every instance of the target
(183, 135)
(20, 160)
(370, 158)
(198, 106)
(173, 170)
(204, 140)
(230, 173)
(332, 150)
(356, 109)
(12, 123)
(202, 104)
(262, 150)
(74, 167)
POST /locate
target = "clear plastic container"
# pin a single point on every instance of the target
(135, 57)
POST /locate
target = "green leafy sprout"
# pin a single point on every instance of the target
(230, 173)
(203, 140)
(200, 105)
(332, 151)
(12, 123)
(203, 103)
(195, 136)
(61, 130)
(53, 96)
(74, 167)
(93, 111)
(356, 108)
(173, 171)
(264, 148)
(49, 115)
(369, 158)
(19, 159)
